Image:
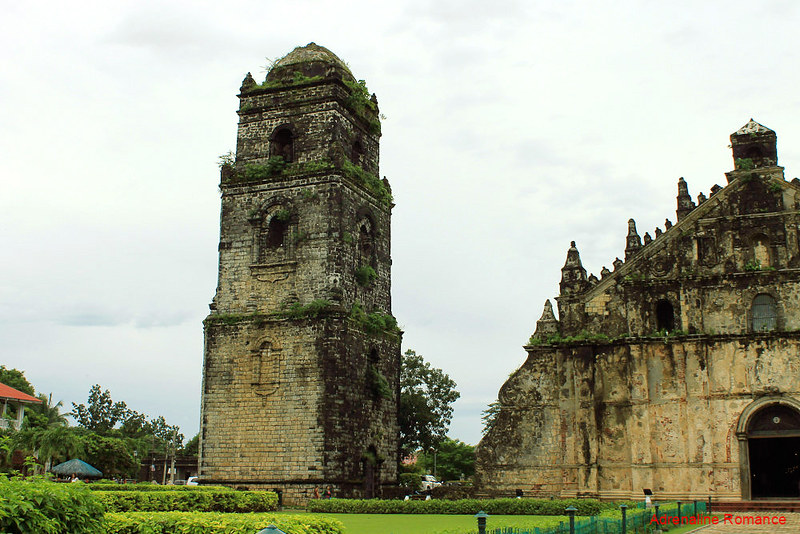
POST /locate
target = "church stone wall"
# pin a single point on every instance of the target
(610, 420)
(643, 379)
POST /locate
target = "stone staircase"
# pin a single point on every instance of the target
(778, 505)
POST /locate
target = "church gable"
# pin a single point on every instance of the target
(732, 239)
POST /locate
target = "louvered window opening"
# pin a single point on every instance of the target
(765, 315)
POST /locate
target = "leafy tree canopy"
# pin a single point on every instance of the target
(451, 460)
(16, 379)
(489, 415)
(102, 413)
(192, 447)
(426, 398)
(45, 414)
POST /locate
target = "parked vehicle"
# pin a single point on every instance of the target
(429, 482)
(191, 481)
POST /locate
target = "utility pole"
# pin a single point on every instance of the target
(172, 466)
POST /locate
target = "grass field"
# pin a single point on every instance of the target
(435, 523)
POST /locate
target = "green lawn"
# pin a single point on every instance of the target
(434, 523)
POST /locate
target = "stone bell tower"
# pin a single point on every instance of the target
(302, 354)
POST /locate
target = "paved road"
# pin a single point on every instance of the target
(738, 524)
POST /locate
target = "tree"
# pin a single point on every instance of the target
(16, 379)
(426, 398)
(489, 415)
(111, 455)
(47, 444)
(453, 460)
(192, 447)
(102, 413)
(45, 414)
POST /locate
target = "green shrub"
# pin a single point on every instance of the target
(360, 102)
(46, 507)
(273, 167)
(189, 501)
(215, 523)
(299, 311)
(412, 481)
(375, 322)
(585, 507)
(365, 275)
(378, 383)
(152, 487)
(368, 180)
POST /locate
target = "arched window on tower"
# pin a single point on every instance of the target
(765, 313)
(357, 153)
(665, 316)
(282, 144)
(366, 242)
(274, 233)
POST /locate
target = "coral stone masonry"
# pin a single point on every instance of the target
(302, 354)
(679, 369)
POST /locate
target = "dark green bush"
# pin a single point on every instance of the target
(463, 506)
(28, 506)
(365, 275)
(412, 481)
(214, 523)
(152, 487)
(189, 501)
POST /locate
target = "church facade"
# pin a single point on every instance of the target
(677, 371)
(302, 353)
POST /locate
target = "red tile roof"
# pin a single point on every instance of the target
(7, 392)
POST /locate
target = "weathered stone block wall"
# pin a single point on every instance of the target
(262, 411)
(609, 420)
(323, 124)
(287, 399)
(320, 254)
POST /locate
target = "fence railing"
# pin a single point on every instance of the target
(637, 520)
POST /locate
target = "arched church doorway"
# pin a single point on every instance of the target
(772, 432)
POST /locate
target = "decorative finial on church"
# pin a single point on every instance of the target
(632, 242)
(617, 263)
(701, 198)
(547, 325)
(247, 83)
(685, 203)
(573, 275)
(667, 224)
(647, 238)
(753, 145)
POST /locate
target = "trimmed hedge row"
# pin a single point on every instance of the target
(462, 506)
(153, 487)
(214, 523)
(44, 507)
(189, 501)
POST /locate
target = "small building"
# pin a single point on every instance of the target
(678, 370)
(155, 468)
(16, 400)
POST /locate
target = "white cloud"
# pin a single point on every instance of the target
(512, 129)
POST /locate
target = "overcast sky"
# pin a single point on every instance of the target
(511, 128)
